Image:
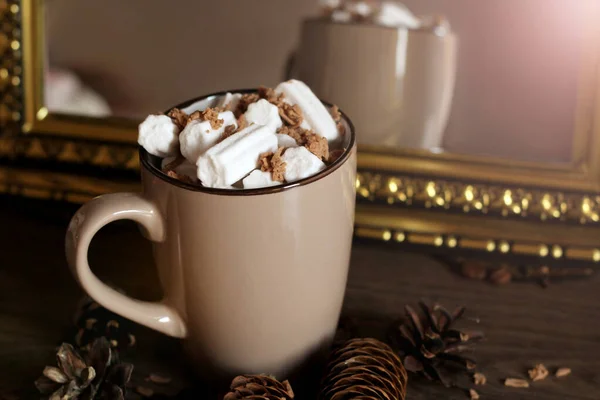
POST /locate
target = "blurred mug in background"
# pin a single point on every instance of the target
(396, 83)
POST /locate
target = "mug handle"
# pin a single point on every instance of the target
(86, 222)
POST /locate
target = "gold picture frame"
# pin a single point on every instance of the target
(443, 201)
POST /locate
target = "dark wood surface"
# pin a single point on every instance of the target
(524, 323)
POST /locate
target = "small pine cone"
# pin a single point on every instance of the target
(365, 368)
(259, 387)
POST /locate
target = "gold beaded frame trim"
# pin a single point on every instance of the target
(466, 233)
(478, 198)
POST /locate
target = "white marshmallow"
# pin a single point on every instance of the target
(259, 179)
(300, 164)
(330, 3)
(316, 115)
(341, 16)
(284, 140)
(230, 160)
(186, 168)
(397, 15)
(263, 113)
(159, 135)
(197, 106)
(198, 136)
(359, 8)
(230, 99)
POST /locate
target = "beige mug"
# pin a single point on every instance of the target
(397, 84)
(253, 280)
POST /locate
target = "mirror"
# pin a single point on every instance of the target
(506, 82)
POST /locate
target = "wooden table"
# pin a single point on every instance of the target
(524, 323)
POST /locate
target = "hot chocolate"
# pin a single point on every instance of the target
(247, 141)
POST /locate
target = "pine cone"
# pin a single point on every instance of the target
(99, 376)
(429, 345)
(259, 387)
(365, 368)
(93, 321)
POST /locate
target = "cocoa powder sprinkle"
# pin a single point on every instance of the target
(178, 117)
(291, 115)
(272, 162)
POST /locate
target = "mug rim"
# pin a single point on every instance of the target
(148, 165)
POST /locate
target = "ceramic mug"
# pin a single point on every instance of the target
(396, 83)
(253, 279)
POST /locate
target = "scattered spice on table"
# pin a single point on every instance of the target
(538, 373)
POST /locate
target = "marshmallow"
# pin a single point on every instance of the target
(263, 113)
(197, 106)
(359, 8)
(230, 99)
(186, 168)
(341, 16)
(159, 135)
(230, 160)
(198, 136)
(394, 14)
(284, 140)
(259, 179)
(300, 164)
(330, 3)
(316, 116)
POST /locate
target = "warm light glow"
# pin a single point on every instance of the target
(543, 250)
(469, 195)
(393, 186)
(504, 247)
(15, 45)
(451, 242)
(439, 201)
(546, 202)
(491, 246)
(387, 235)
(390, 200)
(516, 209)
(400, 237)
(557, 252)
(508, 198)
(596, 255)
(556, 214)
(525, 204)
(357, 183)
(478, 205)
(42, 113)
(585, 207)
(438, 241)
(431, 189)
(402, 197)
(164, 320)
(14, 8)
